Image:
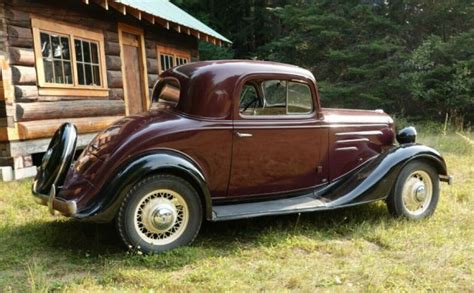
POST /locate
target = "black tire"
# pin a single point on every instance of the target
(399, 207)
(151, 196)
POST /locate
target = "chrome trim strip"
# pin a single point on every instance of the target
(351, 148)
(370, 132)
(353, 140)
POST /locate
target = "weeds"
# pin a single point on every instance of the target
(356, 249)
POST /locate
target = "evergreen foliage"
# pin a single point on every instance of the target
(410, 57)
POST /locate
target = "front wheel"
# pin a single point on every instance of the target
(416, 191)
(160, 213)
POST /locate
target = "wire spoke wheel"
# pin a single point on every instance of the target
(159, 213)
(161, 217)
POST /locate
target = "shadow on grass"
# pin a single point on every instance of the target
(96, 244)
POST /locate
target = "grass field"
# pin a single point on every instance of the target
(353, 249)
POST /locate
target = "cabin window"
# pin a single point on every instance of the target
(170, 57)
(275, 97)
(72, 59)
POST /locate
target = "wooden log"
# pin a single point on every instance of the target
(20, 37)
(69, 109)
(114, 79)
(26, 92)
(149, 44)
(112, 48)
(18, 18)
(46, 128)
(152, 65)
(152, 78)
(22, 56)
(113, 63)
(111, 36)
(116, 94)
(23, 75)
(151, 53)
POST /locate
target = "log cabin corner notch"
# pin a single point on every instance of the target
(87, 62)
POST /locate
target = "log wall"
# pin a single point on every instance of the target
(36, 116)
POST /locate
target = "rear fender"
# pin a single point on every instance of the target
(376, 178)
(105, 207)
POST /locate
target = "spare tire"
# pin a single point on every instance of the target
(57, 159)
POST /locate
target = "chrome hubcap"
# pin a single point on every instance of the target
(417, 192)
(161, 217)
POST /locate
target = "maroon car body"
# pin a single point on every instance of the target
(236, 162)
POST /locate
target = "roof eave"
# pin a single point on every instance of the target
(157, 20)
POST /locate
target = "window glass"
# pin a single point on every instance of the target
(165, 94)
(249, 100)
(166, 61)
(275, 92)
(181, 61)
(280, 97)
(300, 100)
(87, 62)
(56, 58)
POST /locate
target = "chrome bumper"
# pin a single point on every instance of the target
(65, 207)
(446, 178)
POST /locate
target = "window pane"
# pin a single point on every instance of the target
(96, 75)
(79, 54)
(65, 48)
(87, 51)
(48, 71)
(58, 71)
(57, 48)
(249, 100)
(88, 71)
(45, 45)
(275, 92)
(80, 74)
(274, 98)
(67, 73)
(95, 53)
(162, 62)
(299, 98)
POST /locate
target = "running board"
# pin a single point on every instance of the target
(299, 204)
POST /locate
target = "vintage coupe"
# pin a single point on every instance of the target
(230, 140)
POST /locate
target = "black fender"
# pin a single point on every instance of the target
(107, 203)
(375, 179)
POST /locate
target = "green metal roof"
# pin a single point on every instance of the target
(166, 10)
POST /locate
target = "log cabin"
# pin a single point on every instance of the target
(89, 62)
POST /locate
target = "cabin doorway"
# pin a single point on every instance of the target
(134, 72)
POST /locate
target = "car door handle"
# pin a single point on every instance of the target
(243, 135)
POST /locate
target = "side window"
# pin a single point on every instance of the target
(249, 100)
(275, 92)
(280, 97)
(300, 100)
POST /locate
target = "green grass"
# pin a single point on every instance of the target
(354, 249)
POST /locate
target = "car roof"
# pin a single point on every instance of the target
(207, 87)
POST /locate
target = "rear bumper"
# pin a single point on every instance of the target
(446, 178)
(66, 207)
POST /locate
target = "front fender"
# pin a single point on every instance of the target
(376, 178)
(107, 203)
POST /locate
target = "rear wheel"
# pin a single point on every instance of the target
(416, 191)
(159, 213)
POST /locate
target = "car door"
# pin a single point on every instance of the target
(279, 145)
